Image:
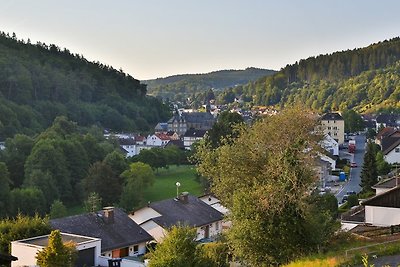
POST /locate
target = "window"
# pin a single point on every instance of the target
(397, 150)
(335, 128)
(217, 226)
(135, 249)
(329, 127)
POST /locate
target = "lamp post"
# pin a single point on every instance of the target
(178, 184)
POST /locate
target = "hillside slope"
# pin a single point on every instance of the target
(39, 82)
(365, 79)
(178, 87)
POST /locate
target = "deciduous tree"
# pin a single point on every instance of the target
(263, 178)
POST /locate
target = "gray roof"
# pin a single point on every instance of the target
(331, 116)
(198, 117)
(121, 233)
(194, 213)
(389, 143)
(388, 183)
(195, 133)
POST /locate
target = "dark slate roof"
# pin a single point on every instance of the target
(198, 117)
(388, 119)
(332, 116)
(388, 183)
(195, 133)
(122, 233)
(161, 126)
(389, 143)
(178, 143)
(126, 141)
(194, 213)
(390, 198)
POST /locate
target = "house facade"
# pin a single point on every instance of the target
(184, 210)
(383, 209)
(333, 125)
(191, 136)
(391, 147)
(181, 122)
(120, 236)
(158, 140)
(25, 250)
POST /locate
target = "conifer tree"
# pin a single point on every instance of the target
(369, 172)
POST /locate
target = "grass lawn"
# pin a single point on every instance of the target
(164, 185)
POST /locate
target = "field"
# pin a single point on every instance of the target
(164, 185)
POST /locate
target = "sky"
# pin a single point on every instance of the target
(158, 38)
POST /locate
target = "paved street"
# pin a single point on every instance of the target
(354, 182)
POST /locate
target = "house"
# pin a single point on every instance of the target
(158, 140)
(191, 136)
(391, 147)
(187, 209)
(120, 236)
(128, 146)
(161, 127)
(387, 120)
(386, 184)
(383, 209)
(180, 123)
(88, 249)
(384, 133)
(177, 143)
(333, 125)
(330, 145)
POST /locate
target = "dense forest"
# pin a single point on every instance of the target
(39, 82)
(181, 87)
(366, 79)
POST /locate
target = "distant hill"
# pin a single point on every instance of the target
(365, 79)
(179, 87)
(39, 82)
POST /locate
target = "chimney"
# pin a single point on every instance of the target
(108, 215)
(184, 197)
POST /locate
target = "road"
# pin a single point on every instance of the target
(354, 179)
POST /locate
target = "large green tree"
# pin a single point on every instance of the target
(224, 127)
(352, 121)
(138, 177)
(4, 189)
(263, 177)
(369, 172)
(102, 180)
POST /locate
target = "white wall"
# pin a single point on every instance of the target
(26, 254)
(214, 230)
(382, 216)
(393, 156)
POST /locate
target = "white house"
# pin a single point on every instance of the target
(191, 136)
(185, 210)
(120, 236)
(391, 147)
(25, 250)
(386, 185)
(330, 145)
(383, 209)
(158, 140)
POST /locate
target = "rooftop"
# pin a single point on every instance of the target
(193, 213)
(120, 232)
(43, 241)
(331, 116)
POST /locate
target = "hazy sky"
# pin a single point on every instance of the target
(157, 38)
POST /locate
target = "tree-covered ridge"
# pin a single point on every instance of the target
(39, 82)
(361, 78)
(179, 87)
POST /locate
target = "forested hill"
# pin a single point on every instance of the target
(179, 87)
(365, 79)
(39, 82)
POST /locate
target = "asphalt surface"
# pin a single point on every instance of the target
(353, 183)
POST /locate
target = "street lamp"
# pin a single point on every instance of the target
(178, 184)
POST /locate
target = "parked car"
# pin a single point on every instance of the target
(351, 193)
(344, 198)
(353, 165)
